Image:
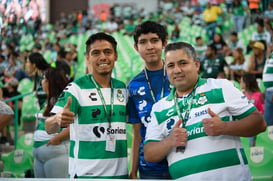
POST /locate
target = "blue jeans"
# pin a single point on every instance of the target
(239, 22)
(211, 28)
(268, 107)
(51, 161)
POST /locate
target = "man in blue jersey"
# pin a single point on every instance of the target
(146, 88)
(199, 124)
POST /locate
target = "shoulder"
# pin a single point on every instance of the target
(138, 79)
(218, 83)
(118, 83)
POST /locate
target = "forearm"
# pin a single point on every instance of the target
(52, 125)
(63, 135)
(246, 127)
(135, 151)
(156, 151)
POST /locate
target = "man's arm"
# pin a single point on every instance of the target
(156, 151)
(59, 137)
(248, 126)
(135, 150)
(61, 119)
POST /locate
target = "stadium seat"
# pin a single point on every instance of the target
(266, 139)
(18, 162)
(260, 161)
(25, 142)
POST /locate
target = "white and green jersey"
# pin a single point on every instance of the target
(98, 145)
(268, 72)
(205, 157)
(41, 137)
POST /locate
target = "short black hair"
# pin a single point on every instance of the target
(212, 47)
(150, 27)
(186, 47)
(100, 36)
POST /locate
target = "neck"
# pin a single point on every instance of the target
(182, 93)
(103, 80)
(154, 66)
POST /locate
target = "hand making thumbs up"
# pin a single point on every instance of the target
(178, 135)
(214, 126)
(65, 117)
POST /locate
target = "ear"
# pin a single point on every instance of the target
(116, 56)
(197, 64)
(165, 43)
(136, 48)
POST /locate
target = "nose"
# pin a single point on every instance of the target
(149, 45)
(176, 69)
(102, 56)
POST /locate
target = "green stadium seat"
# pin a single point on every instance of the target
(260, 161)
(25, 142)
(266, 139)
(17, 162)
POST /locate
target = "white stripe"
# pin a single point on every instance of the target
(236, 172)
(87, 131)
(99, 167)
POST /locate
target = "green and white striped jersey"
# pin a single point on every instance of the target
(92, 131)
(268, 72)
(205, 157)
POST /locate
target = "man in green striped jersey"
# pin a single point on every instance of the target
(198, 126)
(94, 107)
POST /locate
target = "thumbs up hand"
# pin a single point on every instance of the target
(213, 126)
(65, 117)
(178, 136)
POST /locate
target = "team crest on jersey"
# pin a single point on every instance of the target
(120, 95)
(202, 99)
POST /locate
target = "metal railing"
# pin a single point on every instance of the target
(16, 113)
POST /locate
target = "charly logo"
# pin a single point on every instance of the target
(202, 99)
(257, 154)
(170, 112)
(120, 95)
(93, 96)
(141, 91)
(95, 112)
(98, 131)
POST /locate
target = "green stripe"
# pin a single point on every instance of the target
(96, 150)
(204, 162)
(244, 155)
(268, 84)
(71, 149)
(96, 114)
(214, 96)
(107, 177)
(245, 114)
(37, 144)
(269, 70)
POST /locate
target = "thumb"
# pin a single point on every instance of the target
(178, 124)
(67, 105)
(211, 113)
